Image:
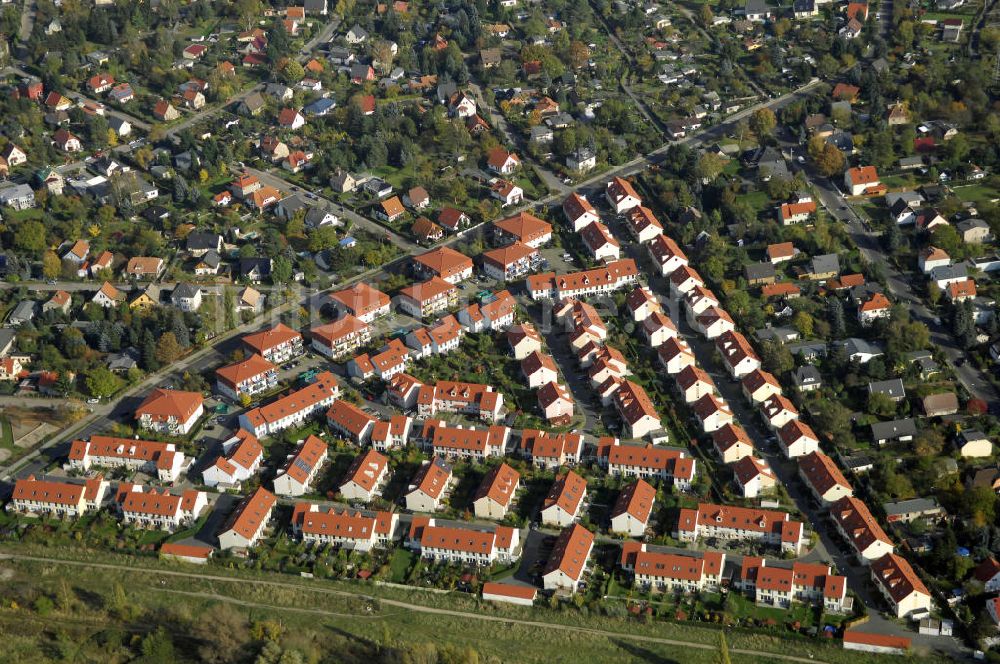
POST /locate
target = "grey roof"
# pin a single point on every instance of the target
(842, 140)
(7, 335)
(24, 311)
(969, 224)
(253, 101)
(894, 429)
(855, 346)
(359, 70)
(261, 265)
(755, 6)
(14, 191)
(316, 215)
(910, 197)
(198, 241)
(292, 204)
(912, 505)
(779, 334)
(184, 291)
(759, 271)
(445, 90)
(211, 258)
(124, 361)
(892, 388)
(806, 376)
(277, 90)
(967, 434)
(915, 160)
(808, 349)
(825, 263)
(955, 271)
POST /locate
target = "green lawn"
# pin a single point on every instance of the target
(400, 564)
(741, 607)
(6, 434)
(980, 193)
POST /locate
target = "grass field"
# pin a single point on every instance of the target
(6, 434)
(182, 597)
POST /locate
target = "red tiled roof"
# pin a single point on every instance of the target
(161, 405)
(571, 550)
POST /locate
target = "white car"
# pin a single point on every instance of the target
(93, 400)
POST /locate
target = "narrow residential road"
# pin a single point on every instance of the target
(409, 606)
(207, 112)
(272, 179)
(27, 21)
(498, 121)
(831, 198)
(109, 110)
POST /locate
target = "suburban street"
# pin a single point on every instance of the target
(839, 207)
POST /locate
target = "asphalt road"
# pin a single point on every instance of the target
(899, 284)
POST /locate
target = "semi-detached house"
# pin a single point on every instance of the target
(824, 478)
(301, 468)
(632, 509)
(900, 586)
(857, 525)
(666, 255)
(495, 494)
(562, 505)
(429, 486)
(245, 526)
(569, 559)
(367, 476)
(241, 458)
(732, 443)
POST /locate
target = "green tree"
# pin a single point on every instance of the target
(763, 122)
(292, 72)
(706, 15)
(723, 655)
(947, 238)
(101, 382)
(710, 165)
(30, 236)
(51, 265)
(881, 405)
(803, 322)
(157, 648)
(167, 348)
(281, 270)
